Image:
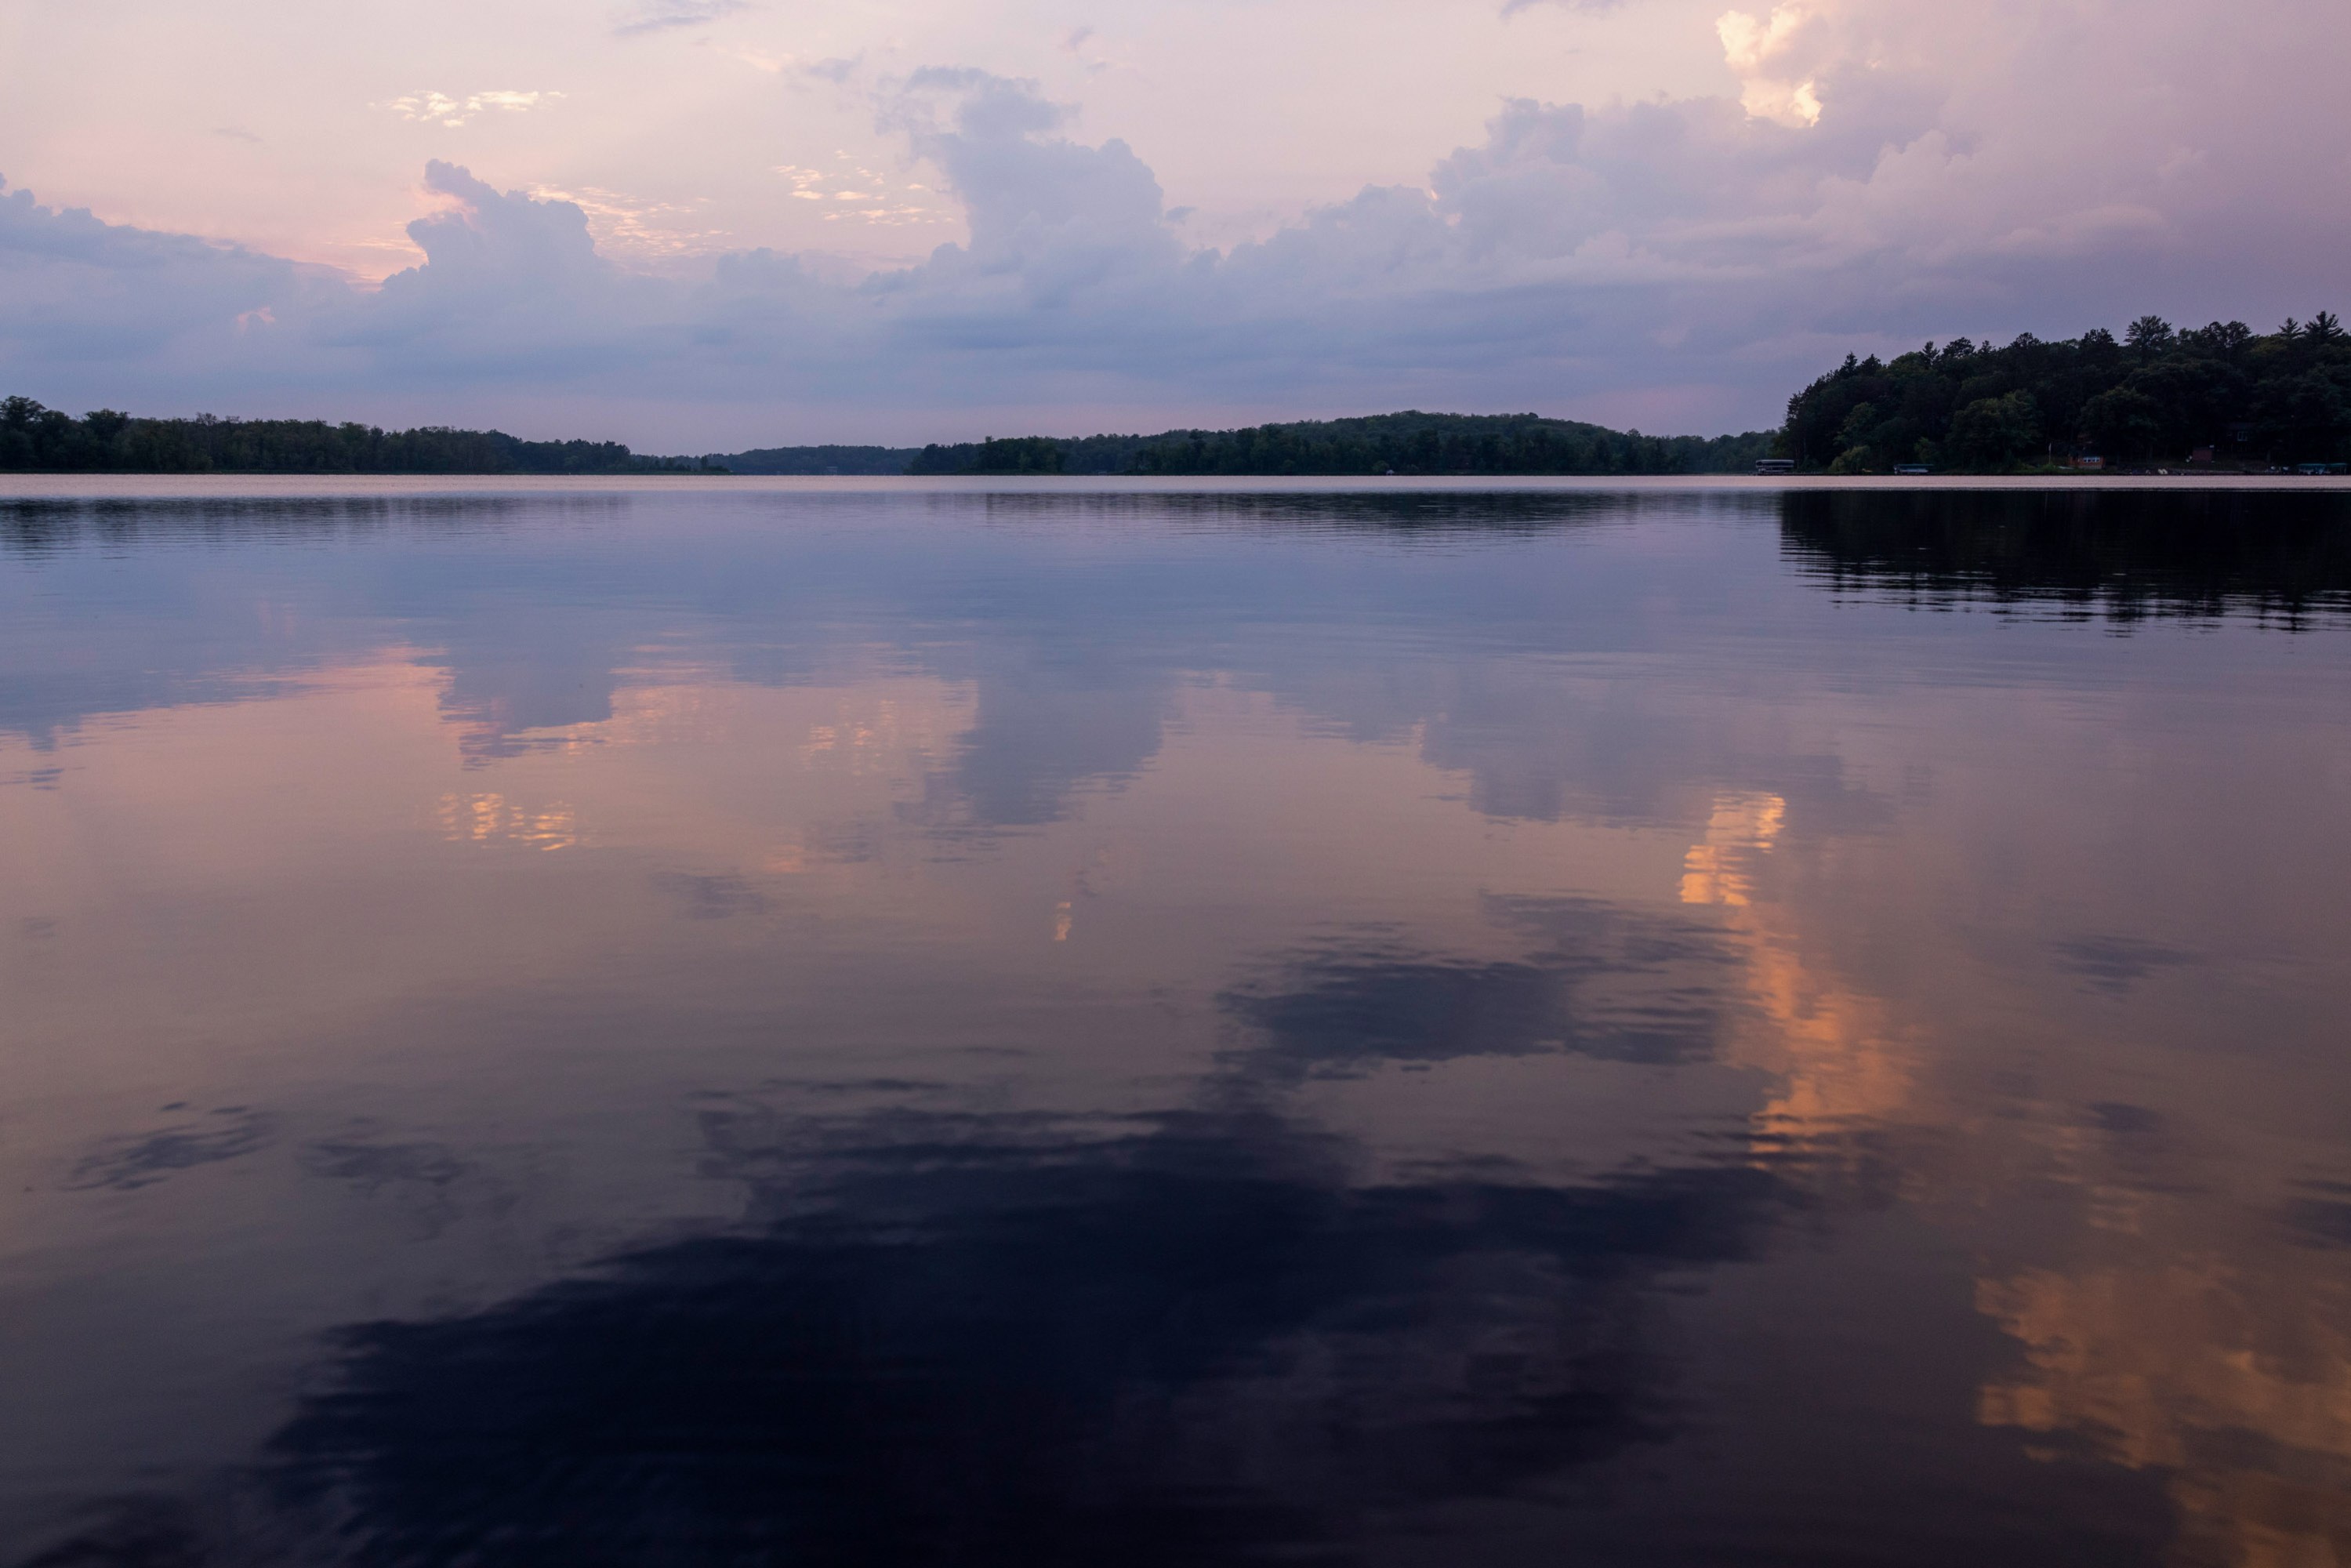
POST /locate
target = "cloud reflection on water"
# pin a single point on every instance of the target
(1199, 1026)
(1189, 1340)
(1618, 984)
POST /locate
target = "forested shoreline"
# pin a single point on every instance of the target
(35, 439)
(2220, 397)
(1409, 443)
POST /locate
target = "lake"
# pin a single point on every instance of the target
(890, 1024)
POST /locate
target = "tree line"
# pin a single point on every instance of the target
(45, 440)
(36, 439)
(1408, 444)
(2222, 394)
(2237, 397)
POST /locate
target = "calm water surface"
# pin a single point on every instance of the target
(917, 1028)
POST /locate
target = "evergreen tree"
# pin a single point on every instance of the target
(2157, 395)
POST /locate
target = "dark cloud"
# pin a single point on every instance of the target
(213, 1138)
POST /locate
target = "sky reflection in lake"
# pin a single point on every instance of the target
(909, 1027)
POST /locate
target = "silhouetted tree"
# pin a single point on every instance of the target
(1997, 432)
(47, 439)
(2158, 394)
(2149, 335)
(1409, 443)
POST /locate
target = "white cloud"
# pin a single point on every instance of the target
(1758, 50)
(637, 228)
(431, 106)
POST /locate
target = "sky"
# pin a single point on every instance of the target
(698, 225)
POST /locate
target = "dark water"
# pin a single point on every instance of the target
(1093, 1029)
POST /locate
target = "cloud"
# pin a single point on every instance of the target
(636, 227)
(512, 288)
(1047, 210)
(660, 16)
(432, 106)
(127, 301)
(1623, 985)
(1325, 1384)
(1886, 174)
(1757, 48)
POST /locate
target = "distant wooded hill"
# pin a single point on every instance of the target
(45, 440)
(2252, 399)
(2231, 395)
(1411, 443)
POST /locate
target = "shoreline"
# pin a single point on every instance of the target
(21, 488)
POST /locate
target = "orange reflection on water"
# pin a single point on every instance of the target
(1829, 1044)
(2234, 1374)
(489, 816)
(2226, 1362)
(1718, 868)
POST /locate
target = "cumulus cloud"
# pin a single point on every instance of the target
(512, 288)
(1757, 48)
(1039, 206)
(126, 299)
(1887, 173)
(634, 227)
